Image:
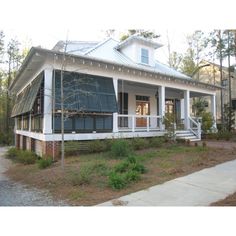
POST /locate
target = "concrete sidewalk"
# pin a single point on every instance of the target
(198, 189)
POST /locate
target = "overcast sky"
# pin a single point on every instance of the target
(45, 22)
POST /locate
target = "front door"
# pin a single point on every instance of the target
(142, 109)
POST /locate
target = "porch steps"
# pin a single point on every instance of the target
(187, 135)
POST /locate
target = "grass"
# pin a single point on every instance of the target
(90, 179)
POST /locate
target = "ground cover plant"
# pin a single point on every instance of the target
(92, 178)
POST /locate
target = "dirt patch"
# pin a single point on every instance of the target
(163, 164)
(229, 201)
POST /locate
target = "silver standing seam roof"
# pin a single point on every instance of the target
(108, 50)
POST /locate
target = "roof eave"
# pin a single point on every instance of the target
(34, 50)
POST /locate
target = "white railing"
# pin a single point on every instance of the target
(195, 127)
(136, 123)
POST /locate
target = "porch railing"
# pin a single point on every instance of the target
(136, 123)
(195, 127)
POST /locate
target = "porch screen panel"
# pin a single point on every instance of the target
(85, 93)
(25, 100)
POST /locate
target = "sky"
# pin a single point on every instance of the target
(44, 22)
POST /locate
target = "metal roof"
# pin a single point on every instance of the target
(104, 52)
(141, 39)
(107, 50)
(75, 47)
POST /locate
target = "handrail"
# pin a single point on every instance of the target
(132, 124)
(198, 127)
(195, 122)
(138, 116)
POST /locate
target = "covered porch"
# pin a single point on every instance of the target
(145, 108)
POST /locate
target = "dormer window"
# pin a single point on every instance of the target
(144, 56)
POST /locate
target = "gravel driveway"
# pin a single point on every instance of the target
(17, 194)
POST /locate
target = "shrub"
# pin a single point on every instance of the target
(156, 142)
(132, 159)
(180, 141)
(108, 143)
(12, 153)
(72, 148)
(26, 157)
(100, 168)
(130, 164)
(139, 143)
(139, 168)
(117, 181)
(207, 121)
(22, 156)
(82, 177)
(45, 162)
(97, 146)
(132, 176)
(226, 135)
(120, 148)
(122, 167)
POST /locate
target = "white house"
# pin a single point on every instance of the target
(111, 89)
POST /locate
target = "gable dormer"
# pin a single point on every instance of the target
(139, 49)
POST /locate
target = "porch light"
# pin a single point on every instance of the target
(156, 94)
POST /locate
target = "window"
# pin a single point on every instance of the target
(144, 56)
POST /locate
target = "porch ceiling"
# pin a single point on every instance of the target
(197, 94)
(170, 92)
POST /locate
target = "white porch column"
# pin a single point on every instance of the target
(115, 114)
(162, 103)
(47, 116)
(30, 120)
(213, 109)
(186, 109)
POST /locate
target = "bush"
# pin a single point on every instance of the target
(157, 142)
(139, 143)
(97, 146)
(12, 153)
(180, 141)
(117, 181)
(125, 172)
(22, 156)
(207, 121)
(139, 168)
(45, 162)
(120, 148)
(100, 168)
(226, 135)
(132, 176)
(122, 167)
(26, 157)
(82, 177)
